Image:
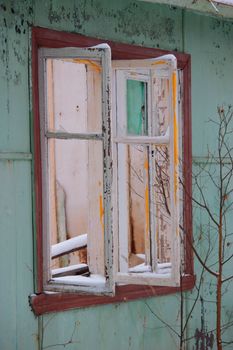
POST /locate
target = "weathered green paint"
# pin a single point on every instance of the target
(127, 325)
(17, 323)
(15, 156)
(201, 6)
(209, 41)
(122, 20)
(123, 326)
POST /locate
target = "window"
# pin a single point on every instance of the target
(146, 147)
(107, 170)
(77, 168)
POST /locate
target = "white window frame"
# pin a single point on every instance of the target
(103, 52)
(145, 70)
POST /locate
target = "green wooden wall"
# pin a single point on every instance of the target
(122, 326)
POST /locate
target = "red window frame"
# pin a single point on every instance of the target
(42, 302)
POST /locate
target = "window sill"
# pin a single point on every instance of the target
(54, 302)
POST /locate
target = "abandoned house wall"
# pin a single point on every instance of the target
(127, 325)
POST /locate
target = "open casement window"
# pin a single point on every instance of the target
(146, 152)
(78, 165)
(75, 122)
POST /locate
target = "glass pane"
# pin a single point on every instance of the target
(134, 203)
(161, 99)
(162, 206)
(76, 204)
(74, 95)
(137, 121)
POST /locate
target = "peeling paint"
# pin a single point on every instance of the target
(204, 340)
(58, 15)
(17, 78)
(3, 7)
(125, 18)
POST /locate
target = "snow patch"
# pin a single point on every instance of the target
(69, 245)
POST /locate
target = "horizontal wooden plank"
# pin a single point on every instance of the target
(15, 156)
(68, 246)
(78, 269)
(73, 52)
(77, 136)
